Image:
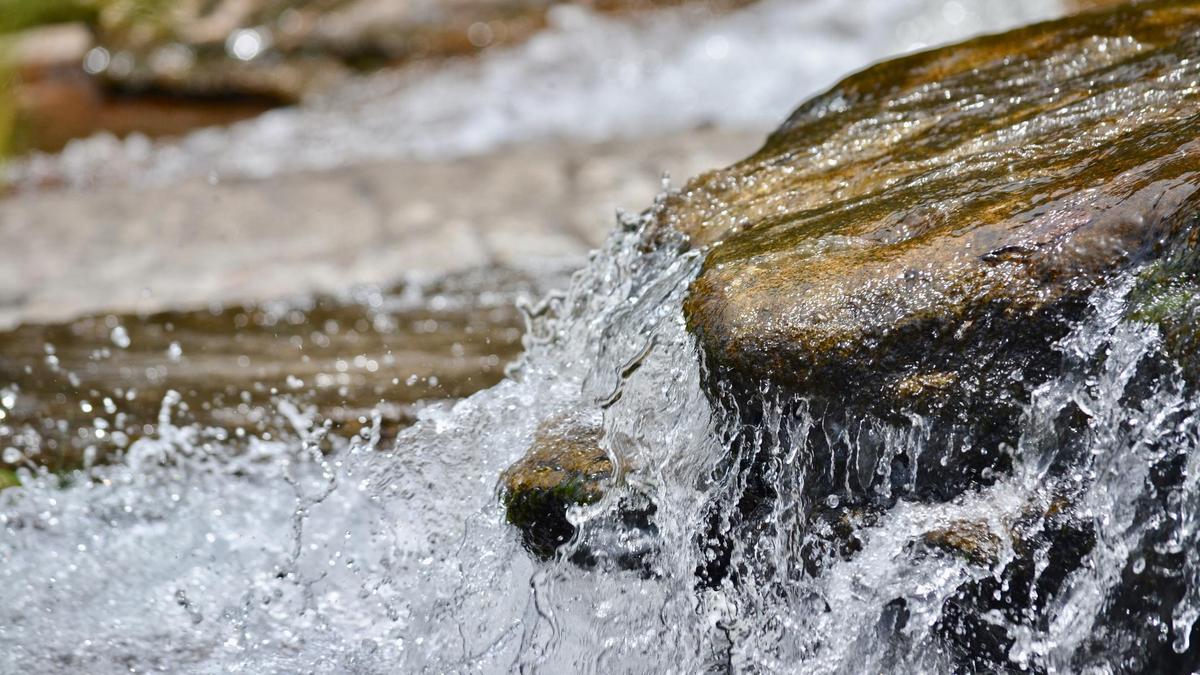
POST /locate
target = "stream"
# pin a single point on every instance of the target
(261, 534)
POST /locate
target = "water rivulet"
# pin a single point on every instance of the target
(947, 325)
(910, 390)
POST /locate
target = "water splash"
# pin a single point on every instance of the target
(334, 555)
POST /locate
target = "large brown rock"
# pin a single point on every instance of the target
(916, 238)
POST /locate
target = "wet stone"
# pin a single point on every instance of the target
(912, 243)
(973, 541)
(564, 467)
(1167, 296)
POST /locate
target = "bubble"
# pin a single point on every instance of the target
(120, 337)
(96, 61)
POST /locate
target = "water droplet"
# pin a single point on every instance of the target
(120, 337)
(96, 61)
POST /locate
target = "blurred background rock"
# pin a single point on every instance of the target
(160, 67)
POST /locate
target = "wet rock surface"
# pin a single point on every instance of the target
(564, 467)
(889, 281)
(896, 265)
(916, 240)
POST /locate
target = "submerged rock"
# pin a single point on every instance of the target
(564, 467)
(973, 541)
(915, 240)
(567, 467)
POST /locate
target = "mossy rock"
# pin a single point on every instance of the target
(916, 239)
(1167, 295)
(564, 467)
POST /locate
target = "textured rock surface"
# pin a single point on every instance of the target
(565, 467)
(913, 239)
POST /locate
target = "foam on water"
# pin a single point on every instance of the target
(196, 554)
(586, 77)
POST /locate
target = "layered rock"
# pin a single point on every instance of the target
(916, 239)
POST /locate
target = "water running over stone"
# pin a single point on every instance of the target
(717, 543)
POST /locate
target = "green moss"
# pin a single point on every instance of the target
(1163, 292)
(8, 478)
(564, 467)
(540, 513)
(1167, 295)
(18, 15)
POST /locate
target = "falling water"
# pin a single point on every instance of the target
(331, 555)
(197, 550)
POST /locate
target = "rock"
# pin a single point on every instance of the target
(1049, 544)
(54, 46)
(916, 239)
(287, 49)
(1093, 5)
(564, 467)
(1167, 295)
(974, 541)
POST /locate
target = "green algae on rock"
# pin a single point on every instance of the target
(917, 238)
(1167, 295)
(564, 467)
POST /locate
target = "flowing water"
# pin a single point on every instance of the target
(587, 76)
(325, 555)
(325, 550)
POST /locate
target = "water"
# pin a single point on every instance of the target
(335, 555)
(587, 76)
(391, 350)
(310, 551)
